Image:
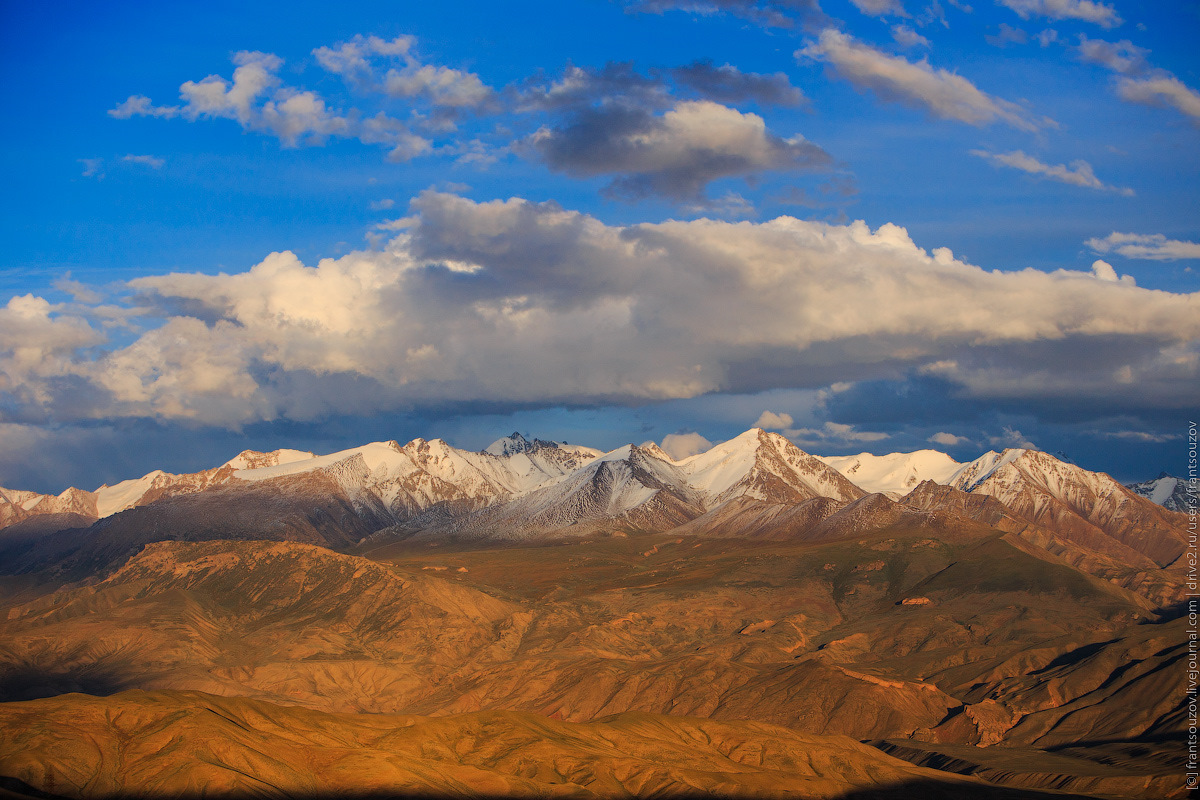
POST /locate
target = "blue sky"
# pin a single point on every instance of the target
(601, 222)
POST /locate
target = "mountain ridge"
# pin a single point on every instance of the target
(756, 484)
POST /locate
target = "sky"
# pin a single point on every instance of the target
(870, 225)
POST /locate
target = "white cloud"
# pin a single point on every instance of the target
(405, 145)
(382, 205)
(1139, 82)
(1047, 37)
(681, 445)
(255, 99)
(442, 86)
(1011, 437)
(1123, 56)
(140, 106)
(520, 303)
(1101, 14)
(92, 167)
(945, 94)
(215, 97)
(769, 13)
(1104, 270)
(352, 59)
(880, 8)
(258, 101)
(1007, 35)
(80, 292)
(1137, 436)
(1079, 173)
(907, 37)
(1151, 247)
(154, 162)
(771, 421)
(833, 432)
(1162, 89)
(948, 439)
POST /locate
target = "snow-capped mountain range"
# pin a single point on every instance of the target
(516, 488)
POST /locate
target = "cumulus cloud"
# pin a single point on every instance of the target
(352, 59)
(1123, 56)
(771, 421)
(257, 99)
(443, 86)
(358, 61)
(944, 94)
(517, 303)
(948, 439)
(681, 445)
(1148, 246)
(1104, 270)
(1079, 173)
(138, 105)
(1101, 14)
(405, 145)
(676, 154)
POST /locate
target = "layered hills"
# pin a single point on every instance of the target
(549, 619)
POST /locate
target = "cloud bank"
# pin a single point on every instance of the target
(517, 304)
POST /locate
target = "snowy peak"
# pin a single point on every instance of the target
(650, 448)
(253, 459)
(16, 504)
(767, 467)
(509, 445)
(894, 474)
(516, 444)
(1088, 508)
(1002, 473)
(629, 488)
(976, 472)
(1165, 490)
